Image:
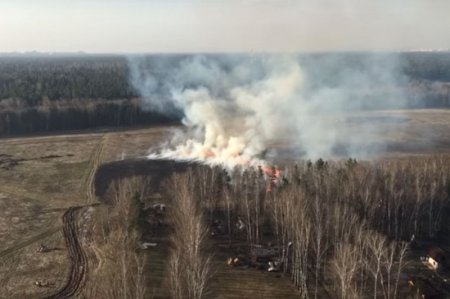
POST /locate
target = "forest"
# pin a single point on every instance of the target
(345, 228)
(47, 94)
(44, 93)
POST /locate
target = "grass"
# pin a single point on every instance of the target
(16, 215)
(236, 282)
(20, 269)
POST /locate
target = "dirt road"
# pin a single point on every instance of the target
(77, 256)
(95, 161)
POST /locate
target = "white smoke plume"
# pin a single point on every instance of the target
(243, 109)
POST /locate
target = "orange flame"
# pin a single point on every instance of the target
(273, 173)
(207, 153)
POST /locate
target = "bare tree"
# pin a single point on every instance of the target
(189, 265)
(345, 265)
(116, 238)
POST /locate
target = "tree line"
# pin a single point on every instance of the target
(77, 115)
(46, 94)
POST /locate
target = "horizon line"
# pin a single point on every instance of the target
(125, 53)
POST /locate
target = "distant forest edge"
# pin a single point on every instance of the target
(45, 93)
(78, 115)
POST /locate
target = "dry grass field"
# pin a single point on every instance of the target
(42, 176)
(384, 134)
(406, 132)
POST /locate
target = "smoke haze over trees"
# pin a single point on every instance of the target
(40, 93)
(235, 105)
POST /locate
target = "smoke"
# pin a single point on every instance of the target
(243, 109)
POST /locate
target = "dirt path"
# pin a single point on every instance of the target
(95, 161)
(77, 256)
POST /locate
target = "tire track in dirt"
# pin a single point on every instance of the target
(78, 257)
(78, 265)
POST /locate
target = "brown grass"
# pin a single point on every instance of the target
(52, 174)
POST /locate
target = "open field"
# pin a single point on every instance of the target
(406, 132)
(41, 177)
(384, 134)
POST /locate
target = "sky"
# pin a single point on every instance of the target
(139, 26)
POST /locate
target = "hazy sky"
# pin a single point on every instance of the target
(222, 25)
